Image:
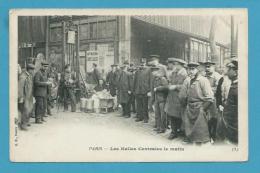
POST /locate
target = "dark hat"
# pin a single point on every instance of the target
(126, 63)
(193, 64)
(131, 69)
(154, 67)
(45, 63)
(155, 56)
(176, 60)
(208, 62)
(233, 64)
(30, 66)
(114, 65)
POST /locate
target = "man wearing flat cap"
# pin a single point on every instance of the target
(230, 113)
(211, 74)
(111, 80)
(41, 92)
(196, 95)
(213, 78)
(132, 71)
(159, 99)
(25, 96)
(142, 89)
(68, 84)
(173, 107)
(124, 90)
(154, 61)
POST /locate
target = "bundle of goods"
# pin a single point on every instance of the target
(105, 101)
(86, 105)
(100, 101)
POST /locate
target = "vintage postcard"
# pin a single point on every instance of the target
(128, 85)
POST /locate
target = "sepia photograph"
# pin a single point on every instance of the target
(128, 85)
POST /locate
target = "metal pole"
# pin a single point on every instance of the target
(232, 36)
(47, 38)
(77, 54)
(63, 45)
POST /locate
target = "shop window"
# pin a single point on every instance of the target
(102, 30)
(195, 51)
(84, 31)
(111, 28)
(93, 30)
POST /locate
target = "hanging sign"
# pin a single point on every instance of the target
(71, 37)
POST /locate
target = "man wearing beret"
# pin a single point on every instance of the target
(230, 112)
(196, 95)
(25, 96)
(173, 106)
(41, 92)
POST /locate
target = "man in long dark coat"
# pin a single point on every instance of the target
(142, 88)
(197, 96)
(230, 113)
(112, 79)
(173, 107)
(132, 95)
(25, 96)
(97, 78)
(40, 93)
(124, 91)
(68, 83)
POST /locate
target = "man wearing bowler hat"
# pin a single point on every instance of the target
(196, 95)
(173, 107)
(40, 92)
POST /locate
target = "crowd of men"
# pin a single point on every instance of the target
(39, 90)
(195, 101)
(198, 103)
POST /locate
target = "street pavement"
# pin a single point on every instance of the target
(68, 136)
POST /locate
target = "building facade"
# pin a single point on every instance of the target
(105, 40)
